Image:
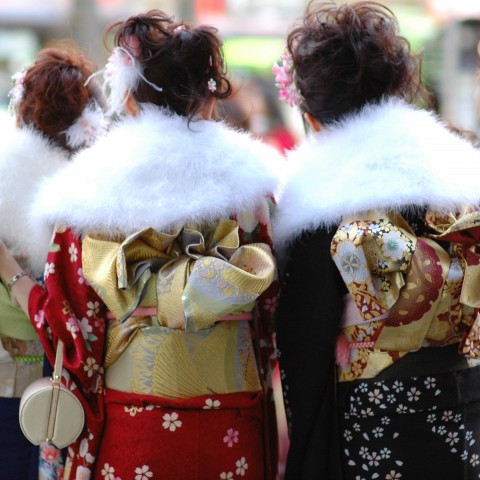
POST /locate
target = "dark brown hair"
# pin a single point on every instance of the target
(55, 92)
(178, 58)
(346, 56)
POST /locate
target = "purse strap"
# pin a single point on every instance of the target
(57, 368)
(56, 385)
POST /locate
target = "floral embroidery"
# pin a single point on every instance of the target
(231, 437)
(39, 319)
(86, 330)
(49, 270)
(73, 251)
(108, 472)
(171, 422)
(393, 245)
(209, 404)
(393, 475)
(49, 453)
(83, 450)
(226, 476)
(351, 262)
(413, 394)
(81, 278)
(242, 466)
(72, 326)
(83, 473)
(85, 327)
(93, 308)
(91, 366)
(143, 473)
(271, 304)
(132, 410)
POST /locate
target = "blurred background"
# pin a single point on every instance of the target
(447, 32)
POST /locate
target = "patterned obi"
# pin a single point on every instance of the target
(406, 292)
(192, 278)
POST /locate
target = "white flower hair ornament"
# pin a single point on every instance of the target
(212, 85)
(90, 125)
(17, 92)
(122, 74)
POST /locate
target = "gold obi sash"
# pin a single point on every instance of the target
(193, 277)
(408, 292)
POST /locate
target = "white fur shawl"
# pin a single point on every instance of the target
(26, 159)
(154, 170)
(390, 155)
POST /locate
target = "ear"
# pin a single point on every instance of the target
(315, 125)
(131, 106)
(207, 110)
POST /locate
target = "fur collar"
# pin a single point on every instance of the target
(390, 155)
(155, 170)
(26, 159)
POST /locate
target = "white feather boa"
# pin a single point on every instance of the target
(390, 155)
(26, 159)
(155, 170)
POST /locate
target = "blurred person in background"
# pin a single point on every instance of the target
(52, 109)
(160, 278)
(378, 327)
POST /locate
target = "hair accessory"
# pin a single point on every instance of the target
(212, 85)
(285, 80)
(87, 127)
(17, 92)
(178, 29)
(122, 74)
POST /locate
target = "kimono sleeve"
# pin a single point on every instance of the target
(70, 310)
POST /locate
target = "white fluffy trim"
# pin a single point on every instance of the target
(26, 159)
(155, 170)
(390, 155)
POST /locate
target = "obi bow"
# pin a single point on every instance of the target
(192, 276)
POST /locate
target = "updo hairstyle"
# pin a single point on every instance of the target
(55, 94)
(178, 58)
(346, 56)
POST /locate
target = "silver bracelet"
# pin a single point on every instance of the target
(15, 279)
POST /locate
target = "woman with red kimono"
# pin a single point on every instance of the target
(160, 278)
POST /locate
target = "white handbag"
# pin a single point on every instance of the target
(49, 412)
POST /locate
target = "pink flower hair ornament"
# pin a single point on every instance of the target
(179, 29)
(285, 80)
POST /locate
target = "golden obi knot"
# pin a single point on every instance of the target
(409, 292)
(193, 276)
(463, 233)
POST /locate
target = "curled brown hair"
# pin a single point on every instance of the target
(346, 56)
(178, 58)
(55, 93)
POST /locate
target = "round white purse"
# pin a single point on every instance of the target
(49, 412)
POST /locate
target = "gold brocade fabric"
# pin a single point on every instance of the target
(193, 277)
(409, 292)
